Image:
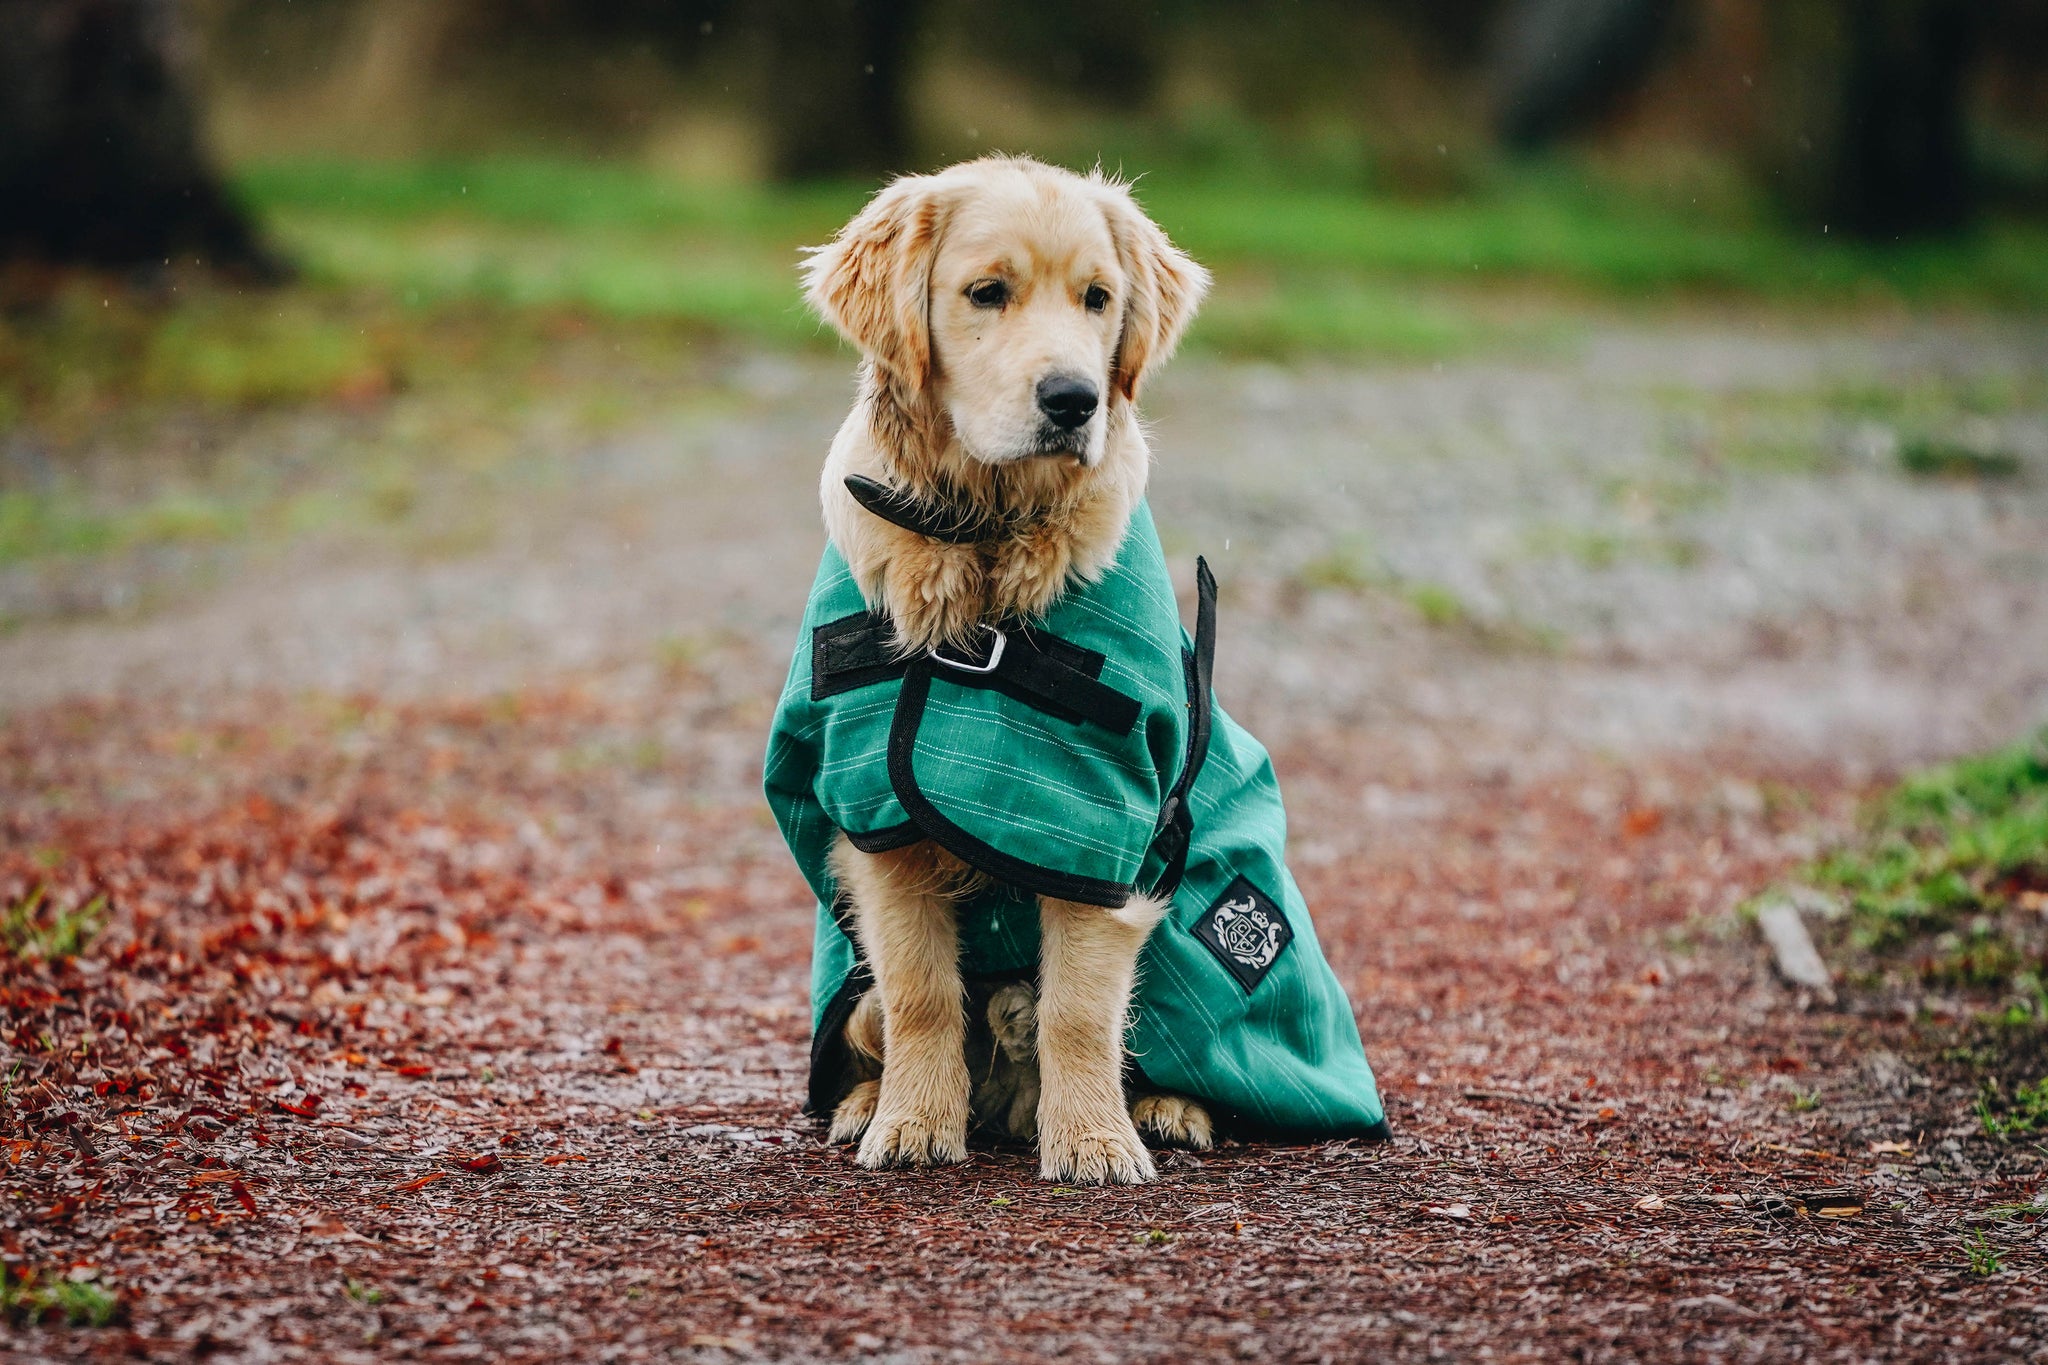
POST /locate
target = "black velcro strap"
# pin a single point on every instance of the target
(852, 652)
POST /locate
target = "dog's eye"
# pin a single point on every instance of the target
(988, 293)
(1097, 298)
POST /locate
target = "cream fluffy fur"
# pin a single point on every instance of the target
(1089, 289)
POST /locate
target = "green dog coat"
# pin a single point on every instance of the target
(1078, 756)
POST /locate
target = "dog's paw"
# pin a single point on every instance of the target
(851, 1118)
(912, 1140)
(1174, 1120)
(1095, 1158)
(1013, 1019)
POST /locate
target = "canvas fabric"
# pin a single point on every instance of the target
(1057, 774)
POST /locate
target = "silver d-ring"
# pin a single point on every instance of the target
(995, 655)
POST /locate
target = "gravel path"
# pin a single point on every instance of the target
(1665, 540)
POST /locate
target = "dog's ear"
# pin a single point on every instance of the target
(1163, 287)
(873, 281)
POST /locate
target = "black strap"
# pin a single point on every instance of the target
(1205, 670)
(975, 852)
(1037, 668)
(927, 516)
(1054, 676)
(1176, 829)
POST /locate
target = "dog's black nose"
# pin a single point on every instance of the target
(1067, 402)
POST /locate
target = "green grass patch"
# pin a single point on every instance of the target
(1300, 267)
(1558, 227)
(1938, 459)
(1600, 548)
(1982, 1255)
(34, 525)
(1950, 874)
(537, 192)
(37, 927)
(390, 250)
(2024, 1111)
(1279, 315)
(1436, 604)
(79, 360)
(1351, 565)
(747, 288)
(27, 1298)
(526, 234)
(364, 1294)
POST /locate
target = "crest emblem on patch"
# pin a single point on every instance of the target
(1246, 932)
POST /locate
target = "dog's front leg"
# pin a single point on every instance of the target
(1087, 961)
(909, 936)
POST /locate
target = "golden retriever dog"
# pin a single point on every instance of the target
(1007, 313)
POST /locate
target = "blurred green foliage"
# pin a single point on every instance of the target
(38, 927)
(26, 1298)
(1300, 269)
(385, 247)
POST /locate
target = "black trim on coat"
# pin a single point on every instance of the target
(887, 839)
(982, 857)
(831, 1058)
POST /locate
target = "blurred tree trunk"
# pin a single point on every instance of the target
(1862, 121)
(836, 102)
(1870, 132)
(100, 155)
(1560, 65)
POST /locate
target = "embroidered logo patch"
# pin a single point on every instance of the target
(1246, 931)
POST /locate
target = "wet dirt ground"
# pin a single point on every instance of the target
(451, 999)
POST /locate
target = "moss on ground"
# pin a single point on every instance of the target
(1946, 887)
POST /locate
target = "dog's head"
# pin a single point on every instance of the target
(1024, 301)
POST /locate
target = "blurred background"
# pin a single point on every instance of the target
(403, 343)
